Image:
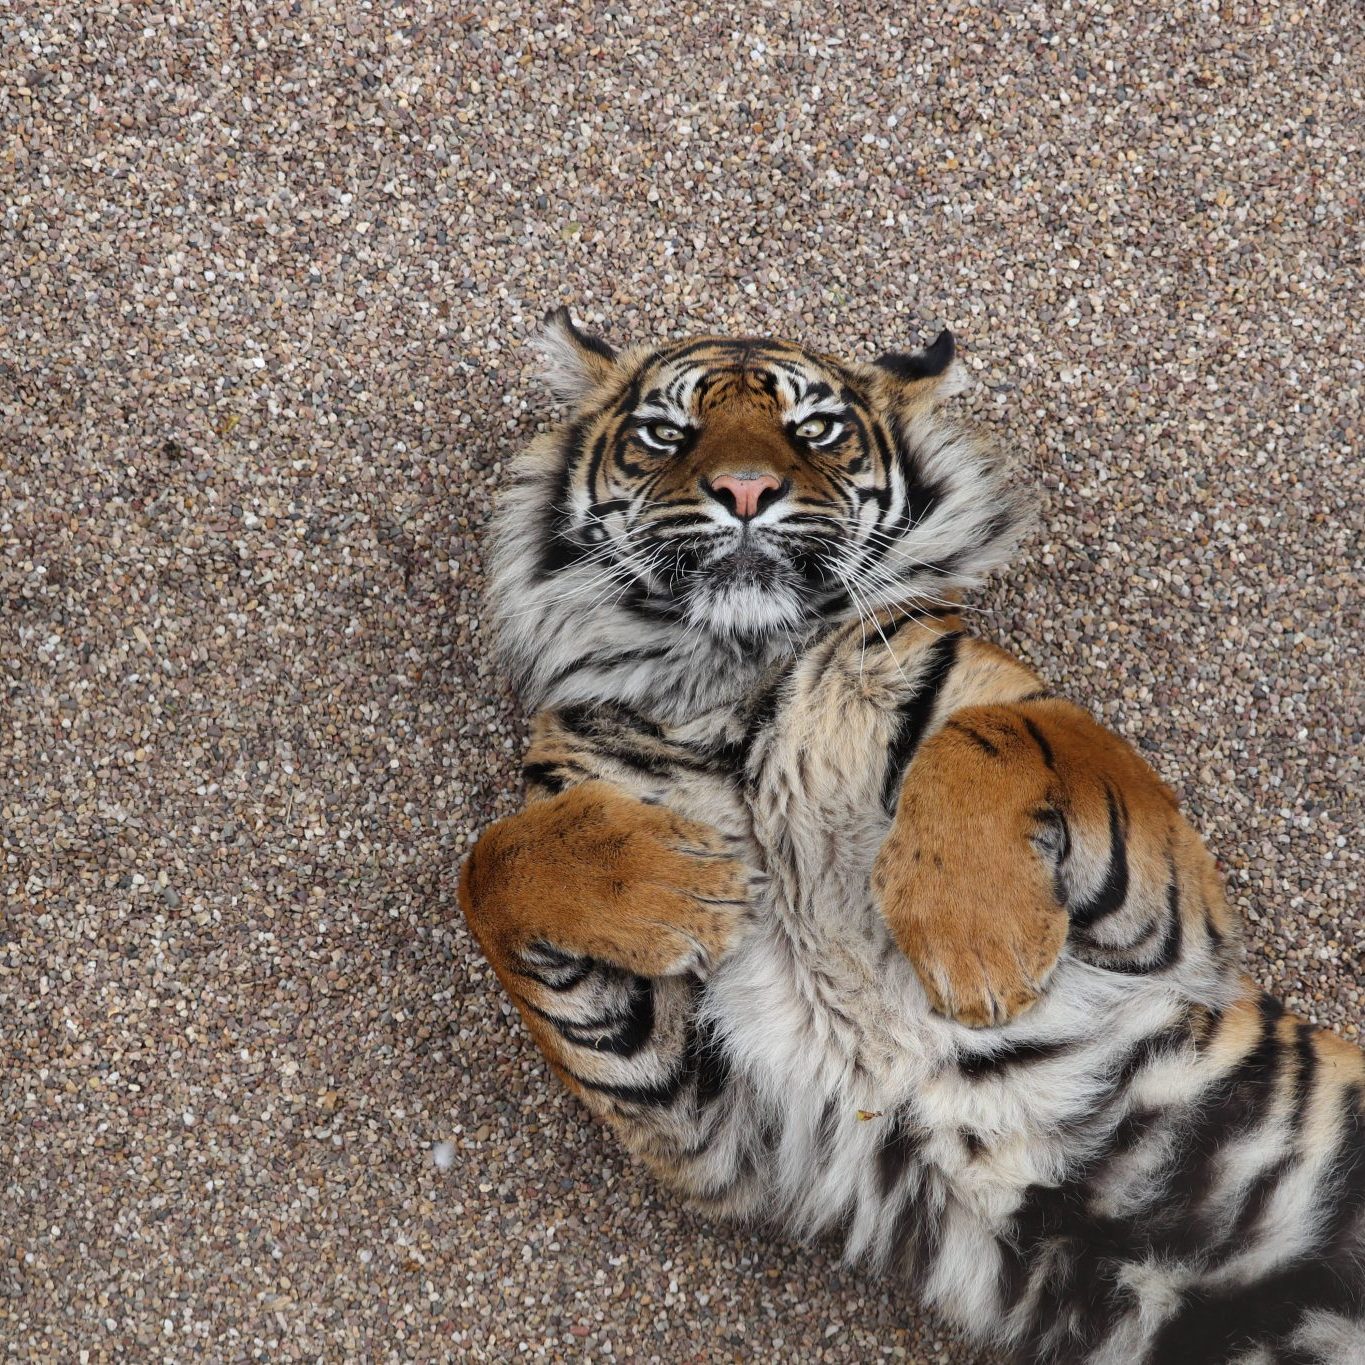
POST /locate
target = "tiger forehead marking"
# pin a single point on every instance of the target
(782, 379)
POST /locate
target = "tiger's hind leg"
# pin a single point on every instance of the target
(593, 874)
(1024, 829)
(600, 913)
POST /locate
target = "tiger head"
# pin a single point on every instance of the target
(708, 504)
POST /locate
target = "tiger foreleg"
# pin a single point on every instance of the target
(1027, 828)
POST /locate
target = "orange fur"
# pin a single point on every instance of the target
(597, 873)
(964, 890)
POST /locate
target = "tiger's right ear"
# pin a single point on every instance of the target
(932, 372)
(573, 362)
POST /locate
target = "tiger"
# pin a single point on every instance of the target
(850, 925)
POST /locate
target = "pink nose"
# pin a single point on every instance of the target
(745, 490)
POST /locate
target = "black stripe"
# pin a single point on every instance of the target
(914, 715)
(1216, 1326)
(617, 1035)
(978, 739)
(599, 449)
(982, 1065)
(547, 775)
(1211, 929)
(610, 719)
(921, 495)
(917, 1232)
(705, 1057)
(1234, 1105)
(1175, 929)
(665, 1092)
(1305, 1079)
(1040, 740)
(609, 661)
(1154, 1045)
(576, 977)
(1112, 959)
(1113, 890)
(899, 1147)
(1254, 1203)
(825, 1129)
(558, 549)
(761, 715)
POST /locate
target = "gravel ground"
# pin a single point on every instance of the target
(265, 283)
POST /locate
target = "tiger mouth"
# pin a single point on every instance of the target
(746, 564)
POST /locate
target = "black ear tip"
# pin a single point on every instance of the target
(562, 319)
(928, 363)
(940, 352)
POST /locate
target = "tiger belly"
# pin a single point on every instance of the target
(913, 1138)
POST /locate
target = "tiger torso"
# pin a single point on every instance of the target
(1154, 1163)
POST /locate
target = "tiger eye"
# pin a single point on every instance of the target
(813, 428)
(665, 432)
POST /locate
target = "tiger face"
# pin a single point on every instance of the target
(739, 492)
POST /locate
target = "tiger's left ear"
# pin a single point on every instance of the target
(574, 362)
(932, 372)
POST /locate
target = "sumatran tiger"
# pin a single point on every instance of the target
(842, 919)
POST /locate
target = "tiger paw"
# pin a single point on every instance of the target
(597, 874)
(983, 934)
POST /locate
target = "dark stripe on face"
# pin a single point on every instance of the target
(921, 496)
(558, 549)
(914, 715)
(630, 393)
